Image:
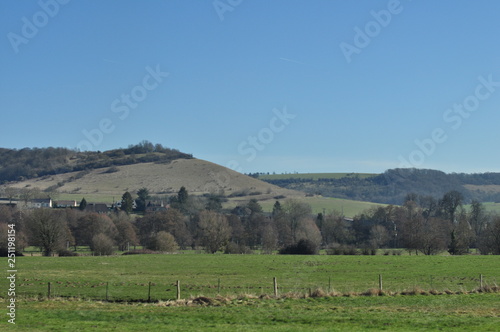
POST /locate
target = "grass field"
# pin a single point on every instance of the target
(128, 277)
(476, 312)
(314, 176)
(245, 278)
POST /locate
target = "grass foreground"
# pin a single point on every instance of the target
(472, 312)
(235, 293)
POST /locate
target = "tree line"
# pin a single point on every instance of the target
(18, 165)
(422, 225)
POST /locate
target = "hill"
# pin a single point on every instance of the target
(392, 186)
(18, 165)
(198, 176)
(164, 179)
(104, 177)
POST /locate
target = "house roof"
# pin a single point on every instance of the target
(66, 203)
(97, 207)
(41, 200)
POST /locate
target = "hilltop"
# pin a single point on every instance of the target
(28, 163)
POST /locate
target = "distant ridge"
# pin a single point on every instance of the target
(393, 185)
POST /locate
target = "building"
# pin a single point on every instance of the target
(153, 207)
(97, 208)
(40, 203)
(65, 204)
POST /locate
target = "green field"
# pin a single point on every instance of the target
(236, 285)
(128, 277)
(241, 291)
(476, 312)
(314, 176)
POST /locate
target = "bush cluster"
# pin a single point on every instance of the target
(302, 247)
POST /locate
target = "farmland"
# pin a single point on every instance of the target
(476, 312)
(79, 285)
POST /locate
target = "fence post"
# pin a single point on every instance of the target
(107, 285)
(149, 292)
(218, 286)
(380, 282)
(178, 290)
(275, 282)
(329, 284)
(481, 281)
(48, 289)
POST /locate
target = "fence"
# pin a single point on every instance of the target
(155, 291)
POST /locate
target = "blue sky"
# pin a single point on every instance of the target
(258, 85)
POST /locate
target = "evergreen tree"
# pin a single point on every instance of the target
(277, 210)
(127, 202)
(254, 206)
(182, 196)
(83, 204)
(143, 196)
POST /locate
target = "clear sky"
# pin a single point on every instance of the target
(258, 85)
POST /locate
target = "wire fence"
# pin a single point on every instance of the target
(176, 289)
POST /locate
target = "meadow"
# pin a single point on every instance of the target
(475, 312)
(240, 289)
(128, 277)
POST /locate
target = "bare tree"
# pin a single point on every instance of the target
(11, 193)
(294, 212)
(269, 238)
(308, 230)
(214, 229)
(477, 218)
(126, 234)
(91, 224)
(379, 236)
(48, 230)
(489, 241)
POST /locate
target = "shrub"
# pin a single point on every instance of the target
(112, 169)
(303, 247)
(140, 252)
(342, 250)
(233, 248)
(66, 253)
(4, 252)
(163, 241)
(102, 245)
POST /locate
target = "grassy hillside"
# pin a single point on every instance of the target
(198, 176)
